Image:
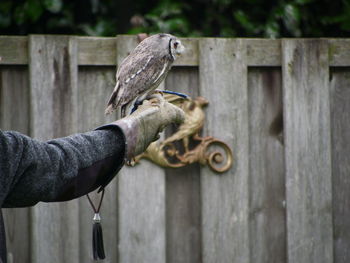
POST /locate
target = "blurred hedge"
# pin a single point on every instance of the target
(226, 18)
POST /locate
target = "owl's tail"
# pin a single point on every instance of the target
(112, 102)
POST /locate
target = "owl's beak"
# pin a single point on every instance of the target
(180, 49)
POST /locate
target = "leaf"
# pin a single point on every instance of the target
(5, 20)
(291, 19)
(244, 21)
(33, 10)
(303, 2)
(53, 6)
(272, 30)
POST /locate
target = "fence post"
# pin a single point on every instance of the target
(267, 213)
(141, 201)
(305, 72)
(53, 113)
(14, 115)
(340, 116)
(223, 80)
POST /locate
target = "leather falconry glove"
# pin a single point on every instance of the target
(143, 126)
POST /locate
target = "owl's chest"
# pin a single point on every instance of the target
(163, 72)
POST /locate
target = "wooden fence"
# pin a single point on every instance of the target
(283, 106)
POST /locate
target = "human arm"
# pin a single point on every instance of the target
(66, 168)
(59, 169)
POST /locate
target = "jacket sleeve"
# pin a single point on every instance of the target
(59, 169)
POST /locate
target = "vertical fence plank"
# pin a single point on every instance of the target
(141, 201)
(307, 150)
(53, 92)
(94, 87)
(267, 220)
(14, 99)
(340, 116)
(183, 189)
(14, 115)
(223, 80)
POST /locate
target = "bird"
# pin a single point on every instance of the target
(141, 72)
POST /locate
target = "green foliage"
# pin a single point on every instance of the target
(57, 17)
(224, 18)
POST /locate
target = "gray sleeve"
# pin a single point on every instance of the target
(57, 170)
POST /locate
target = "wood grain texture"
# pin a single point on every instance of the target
(13, 50)
(224, 197)
(14, 99)
(190, 56)
(141, 189)
(96, 51)
(307, 151)
(267, 220)
(339, 52)
(14, 115)
(183, 188)
(102, 51)
(340, 120)
(53, 109)
(263, 52)
(94, 87)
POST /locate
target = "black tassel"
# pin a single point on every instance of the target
(97, 239)
(98, 250)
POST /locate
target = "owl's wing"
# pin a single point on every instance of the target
(136, 76)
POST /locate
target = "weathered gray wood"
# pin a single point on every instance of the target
(95, 85)
(101, 51)
(267, 220)
(339, 52)
(263, 52)
(190, 56)
(183, 189)
(223, 80)
(340, 119)
(53, 109)
(141, 202)
(14, 115)
(96, 51)
(307, 151)
(13, 50)
(17, 225)
(14, 99)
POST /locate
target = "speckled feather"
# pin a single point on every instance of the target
(142, 71)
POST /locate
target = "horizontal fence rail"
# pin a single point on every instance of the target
(282, 106)
(103, 51)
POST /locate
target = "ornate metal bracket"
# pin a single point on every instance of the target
(186, 146)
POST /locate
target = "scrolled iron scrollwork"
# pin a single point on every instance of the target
(185, 146)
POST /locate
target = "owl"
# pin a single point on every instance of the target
(143, 70)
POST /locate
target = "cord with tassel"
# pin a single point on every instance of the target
(97, 236)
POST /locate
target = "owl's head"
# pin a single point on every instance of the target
(175, 47)
(166, 44)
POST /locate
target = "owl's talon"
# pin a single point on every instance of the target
(131, 162)
(154, 102)
(157, 91)
(136, 105)
(158, 96)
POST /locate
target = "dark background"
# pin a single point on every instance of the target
(216, 18)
